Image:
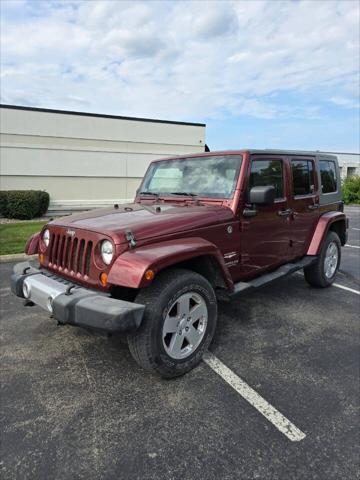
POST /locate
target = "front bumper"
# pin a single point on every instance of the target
(72, 304)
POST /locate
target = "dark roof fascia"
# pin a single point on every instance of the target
(99, 115)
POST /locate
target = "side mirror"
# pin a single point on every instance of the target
(264, 195)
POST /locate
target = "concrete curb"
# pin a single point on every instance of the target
(16, 256)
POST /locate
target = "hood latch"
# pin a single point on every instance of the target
(130, 238)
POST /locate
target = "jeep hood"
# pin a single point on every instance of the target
(146, 220)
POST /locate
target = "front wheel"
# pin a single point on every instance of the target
(322, 273)
(178, 324)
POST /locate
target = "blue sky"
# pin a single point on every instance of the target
(259, 73)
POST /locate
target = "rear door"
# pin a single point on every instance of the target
(265, 238)
(304, 202)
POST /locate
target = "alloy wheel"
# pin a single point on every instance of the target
(185, 325)
(331, 260)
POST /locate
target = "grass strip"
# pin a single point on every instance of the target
(13, 236)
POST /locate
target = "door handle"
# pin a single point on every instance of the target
(314, 206)
(285, 213)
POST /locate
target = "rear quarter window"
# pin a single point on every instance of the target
(328, 176)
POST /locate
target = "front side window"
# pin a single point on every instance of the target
(267, 172)
(328, 176)
(303, 177)
(212, 177)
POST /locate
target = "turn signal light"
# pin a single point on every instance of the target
(41, 258)
(149, 275)
(103, 279)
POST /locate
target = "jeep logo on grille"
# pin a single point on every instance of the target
(70, 232)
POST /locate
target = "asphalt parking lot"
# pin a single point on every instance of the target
(75, 405)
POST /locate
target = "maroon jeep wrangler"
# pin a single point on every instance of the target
(202, 227)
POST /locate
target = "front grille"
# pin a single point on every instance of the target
(70, 253)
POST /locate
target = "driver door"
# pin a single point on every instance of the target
(265, 238)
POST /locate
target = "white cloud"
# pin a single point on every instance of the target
(215, 20)
(346, 102)
(182, 60)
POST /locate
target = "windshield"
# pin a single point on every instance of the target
(212, 176)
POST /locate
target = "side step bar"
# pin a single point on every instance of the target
(267, 278)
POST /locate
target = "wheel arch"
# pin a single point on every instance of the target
(330, 221)
(195, 254)
(32, 244)
(339, 227)
(205, 265)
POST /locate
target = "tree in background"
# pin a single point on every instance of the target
(351, 189)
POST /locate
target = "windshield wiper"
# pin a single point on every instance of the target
(149, 193)
(187, 194)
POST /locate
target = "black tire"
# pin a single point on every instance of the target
(315, 273)
(146, 343)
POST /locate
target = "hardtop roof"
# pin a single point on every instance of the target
(291, 152)
(251, 152)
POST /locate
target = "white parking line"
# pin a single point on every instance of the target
(257, 401)
(352, 246)
(357, 292)
(357, 229)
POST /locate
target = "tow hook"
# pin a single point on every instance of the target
(68, 290)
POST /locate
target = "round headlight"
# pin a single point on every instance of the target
(46, 237)
(107, 252)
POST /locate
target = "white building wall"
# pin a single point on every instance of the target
(85, 160)
(349, 164)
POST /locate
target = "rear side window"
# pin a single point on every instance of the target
(328, 176)
(303, 177)
(267, 172)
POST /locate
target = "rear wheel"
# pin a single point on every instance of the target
(322, 273)
(178, 324)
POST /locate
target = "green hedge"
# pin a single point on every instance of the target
(351, 189)
(23, 204)
(3, 201)
(44, 199)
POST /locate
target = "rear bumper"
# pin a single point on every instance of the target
(75, 305)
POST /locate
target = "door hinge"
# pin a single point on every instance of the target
(244, 226)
